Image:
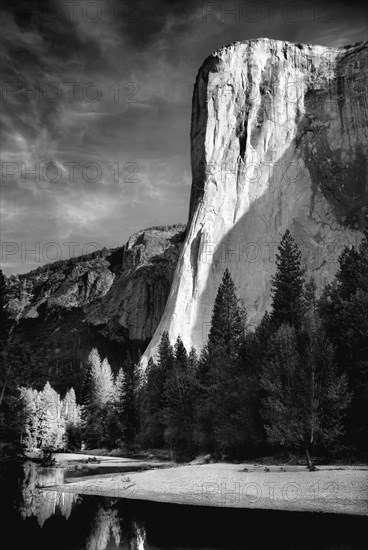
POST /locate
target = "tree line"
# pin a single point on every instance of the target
(299, 381)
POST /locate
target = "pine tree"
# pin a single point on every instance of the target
(193, 361)
(114, 427)
(228, 320)
(154, 394)
(306, 398)
(343, 307)
(129, 411)
(180, 401)
(124, 421)
(72, 418)
(165, 353)
(219, 373)
(152, 428)
(287, 284)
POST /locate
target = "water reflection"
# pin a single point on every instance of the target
(106, 527)
(37, 519)
(44, 504)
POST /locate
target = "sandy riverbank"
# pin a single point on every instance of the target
(342, 490)
(84, 465)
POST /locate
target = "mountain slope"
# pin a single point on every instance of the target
(111, 299)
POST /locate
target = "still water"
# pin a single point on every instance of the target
(35, 519)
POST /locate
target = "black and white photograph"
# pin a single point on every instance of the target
(183, 275)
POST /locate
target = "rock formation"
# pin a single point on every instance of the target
(112, 299)
(279, 136)
(133, 306)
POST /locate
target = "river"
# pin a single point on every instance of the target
(36, 519)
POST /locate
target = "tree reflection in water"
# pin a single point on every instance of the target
(44, 504)
(36, 519)
(104, 526)
(108, 527)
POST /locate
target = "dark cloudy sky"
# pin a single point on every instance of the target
(96, 100)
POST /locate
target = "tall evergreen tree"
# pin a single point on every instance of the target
(228, 319)
(128, 400)
(193, 361)
(306, 398)
(154, 400)
(152, 428)
(180, 388)
(287, 284)
(343, 307)
(220, 371)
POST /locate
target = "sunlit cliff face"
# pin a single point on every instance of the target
(278, 140)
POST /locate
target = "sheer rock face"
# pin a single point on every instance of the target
(134, 304)
(278, 140)
(120, 292)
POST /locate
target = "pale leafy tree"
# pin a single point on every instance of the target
(119, 385)
(70, 408)
(30, 424)
(51, 423)
(99, 395)
(71, 412)
(104, 384)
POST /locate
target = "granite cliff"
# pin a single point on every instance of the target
(279, 137)
(112, 299)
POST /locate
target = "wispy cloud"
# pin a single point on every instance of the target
(96, 107)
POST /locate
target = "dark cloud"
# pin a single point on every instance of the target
(109, 83)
